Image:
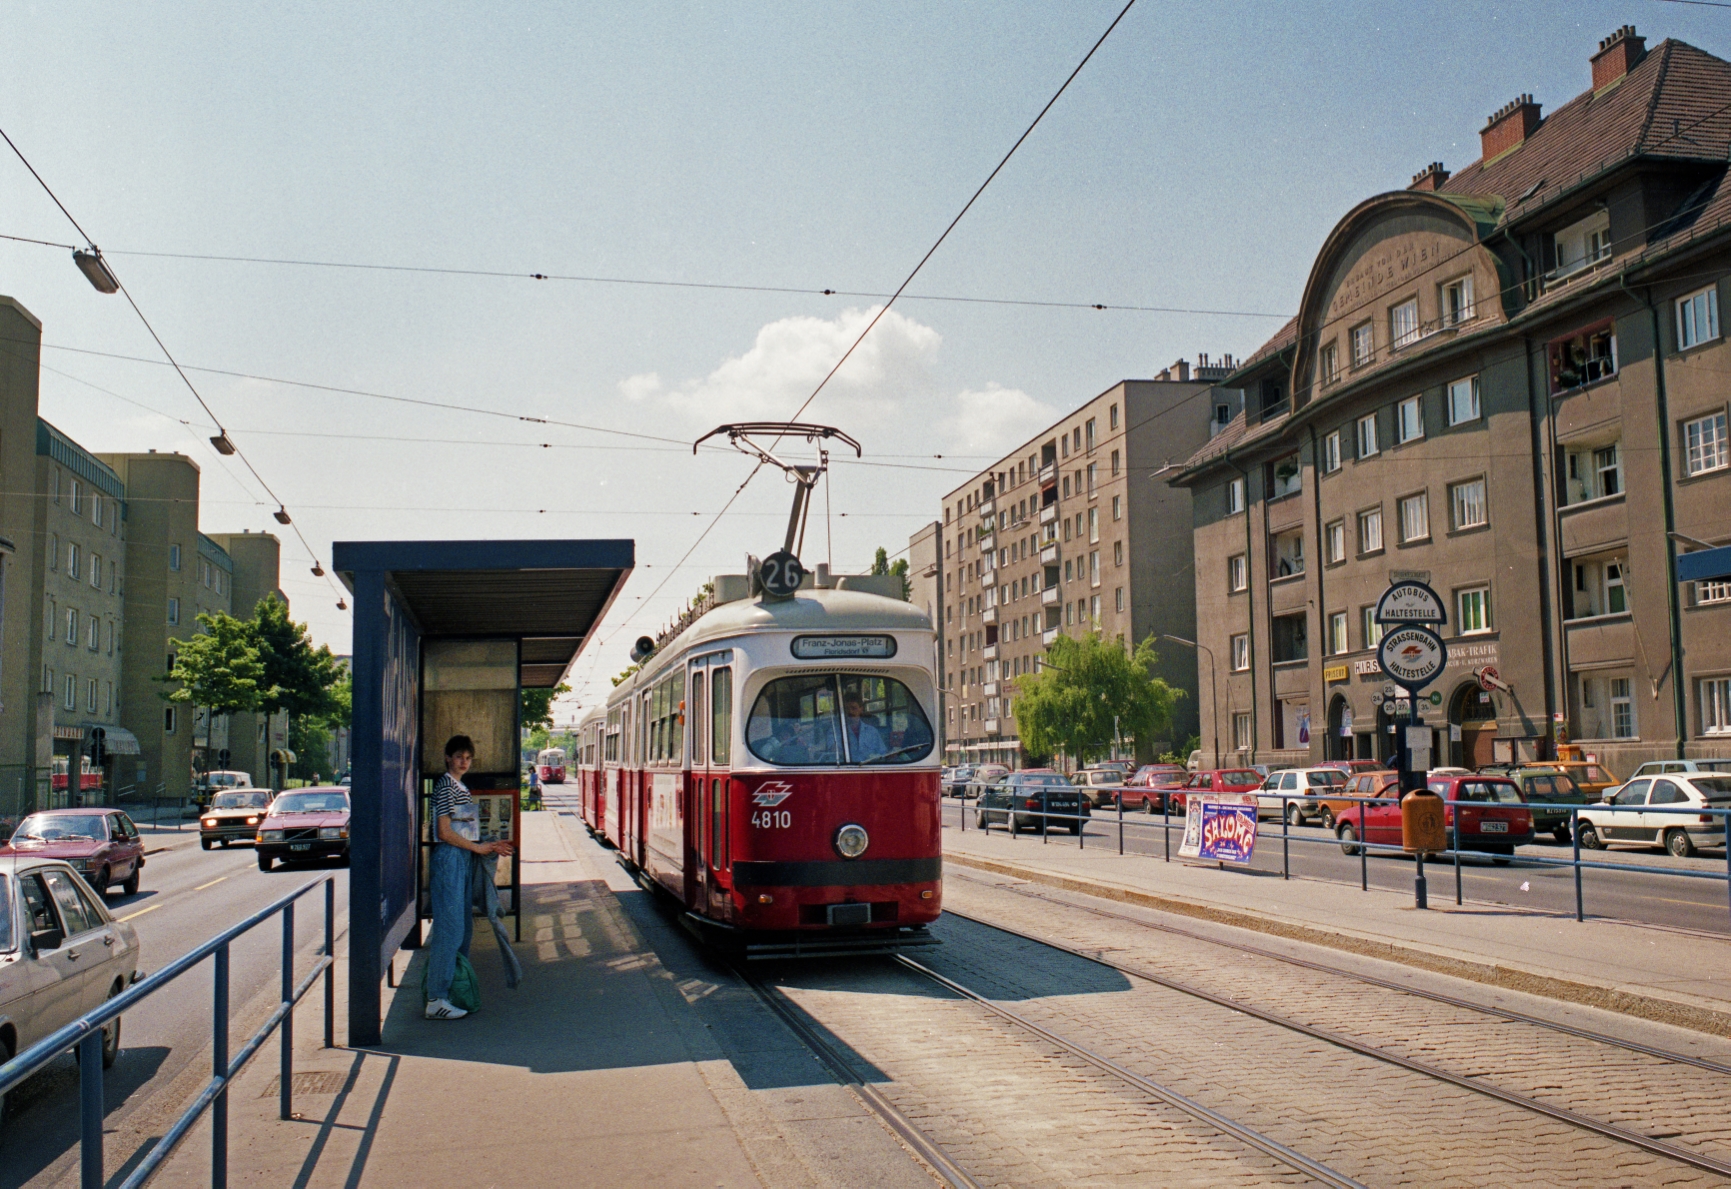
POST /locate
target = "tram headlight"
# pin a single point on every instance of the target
(851, 841)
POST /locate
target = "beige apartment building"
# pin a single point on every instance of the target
(1066, 534)
(22, 703)
(1512, 379)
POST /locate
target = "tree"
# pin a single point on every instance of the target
(298, 678)
(220, 668)
(1070, 705)
(537, 706)
(881, 564)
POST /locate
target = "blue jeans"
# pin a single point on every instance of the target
(453, 918)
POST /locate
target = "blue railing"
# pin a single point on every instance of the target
(85, 1035)
(1165, 824)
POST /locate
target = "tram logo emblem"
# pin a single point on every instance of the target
(772, 793)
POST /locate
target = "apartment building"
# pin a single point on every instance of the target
(256, 561)
(1066, 534)
(21, 699)
(1510, 379)
(926, 591)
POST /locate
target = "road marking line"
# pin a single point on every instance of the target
(211, 884)
(140, 912)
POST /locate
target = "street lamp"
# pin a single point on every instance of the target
(1213, 691)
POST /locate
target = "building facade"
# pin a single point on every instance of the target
(1509, 380)
(926, 591)
(20, 618)
(1067, 535)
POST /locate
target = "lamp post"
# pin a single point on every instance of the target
(1213, 691)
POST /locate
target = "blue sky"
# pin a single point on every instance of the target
(1198, 162)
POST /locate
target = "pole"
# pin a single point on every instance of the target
(286, 1058)
(331, 968)
(1575, 833)
(90, 1110)
(219, 1067)
(1456, 823)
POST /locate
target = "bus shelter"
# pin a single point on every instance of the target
(446, 635)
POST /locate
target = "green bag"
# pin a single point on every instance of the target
(465, 987)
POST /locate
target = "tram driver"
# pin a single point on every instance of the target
(864, 741)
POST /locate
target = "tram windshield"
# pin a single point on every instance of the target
(838, 719)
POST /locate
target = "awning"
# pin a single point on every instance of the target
(117, 741)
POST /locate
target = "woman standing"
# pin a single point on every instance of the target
(456, 836)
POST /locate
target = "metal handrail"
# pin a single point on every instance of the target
(85, 1034)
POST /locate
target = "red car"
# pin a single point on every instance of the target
(101, 844)
(1354, 767)
(304, 824)
(1493, 816)
(1219, 780)
(1145, 789)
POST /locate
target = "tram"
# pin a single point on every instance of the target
(772, 764)
(550, 765)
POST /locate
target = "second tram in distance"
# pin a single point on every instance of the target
(773, 768)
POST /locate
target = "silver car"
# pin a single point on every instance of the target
(1303, 789)
(61, 954)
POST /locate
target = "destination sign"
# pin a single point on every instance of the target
(829, 648)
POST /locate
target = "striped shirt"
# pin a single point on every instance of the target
(449, 794)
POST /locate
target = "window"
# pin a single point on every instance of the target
(1331, 453)
(1094, 568)
(1117, 507)
(1409, 420)
(1066, 484)
(1328, 364)
(1403, 324)
(70, 700)
(96, 503)
(1115, 462)
(1473, 611)
(1117, 553)
(173, 610)
(1616, 593)
(841, 718)
(1367, 436)
(1415, 518)
(1093, 525)
(92, 688)
(1285, 477)
(1582, 245)
(1093, 475)
(77, 507)
(1608, 470)
(1240, 652)
(1698, 318)
(1088, 428)
(71, 627)
(1094, 610)
(1291, 638)
(1467, 504)
(1457, 301)
(53, 617)
(168, 720)
(1337, 633)
(1334, 542)
(1237, 573)
(53, 551)
(93, 634)
(96, 570)
(74, 568)
(1363, 345)
(174, 557)
(1713, 592)
(1716, 706)
(1372, 629)
(1118, 598)
(1464, 400)
(1288, 558)
(1704, 444)
(47, 679)
(1235, 491)
(1370, 531)
(1114, 416)
(1241, 730)
(1584, 358)
(1622, 709)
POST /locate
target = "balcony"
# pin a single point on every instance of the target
(1594, 525)
(1049, 597)
(991, 725)
(1049, 474)
(989, 690)
(1049, 554)
(990, 652)
(1049, 514)
(987, 509)
(989, 616)
(1049, 635)
(987, 540)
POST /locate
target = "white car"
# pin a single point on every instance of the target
(1303, 788)
(61, 954)
(1679, 833)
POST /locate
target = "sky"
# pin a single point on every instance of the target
(1196, 164)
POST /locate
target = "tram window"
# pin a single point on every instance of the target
(845, 718)
(696, 716)
(721, 712)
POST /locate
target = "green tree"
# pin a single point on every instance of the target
(1070, 705)
(537, 706)
(220, 668)
(881, 564)
(297, 678)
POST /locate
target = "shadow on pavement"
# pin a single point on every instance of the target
(41, 1123)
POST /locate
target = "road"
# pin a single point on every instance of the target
(1678, 901)
(187, 896)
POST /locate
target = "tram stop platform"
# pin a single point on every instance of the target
(1670, 975)
(625, 1057)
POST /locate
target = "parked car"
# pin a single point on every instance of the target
(1100, 785)
(1549, 793)
(1145, 788)
(102, 845)
(1492, 815)
(1376, 783)
(61, 954)
(1591, 777)
(233, 816)
(1218, 780)
(1294, 784)
(956, 779)
(1354, 767)
(1664, 767)
(212, 783)
(1023, 800)
(1676, 832)
(304, 824)
(1124, 767)
(985, 775)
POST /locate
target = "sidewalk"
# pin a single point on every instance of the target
(1658, 974)
(624, 1058)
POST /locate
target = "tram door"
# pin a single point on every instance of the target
(717, 821)
(696, 790)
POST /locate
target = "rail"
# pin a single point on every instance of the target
(1697, 814)
(85, 1036)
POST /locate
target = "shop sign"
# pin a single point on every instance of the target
(1335, 673)
(1410, 602)
(1367, 667)
(1412, 655)
(1219, 828)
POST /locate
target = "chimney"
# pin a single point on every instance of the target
(1618, 54)
(1509, 125)
(1181, 371)
(1431, 177)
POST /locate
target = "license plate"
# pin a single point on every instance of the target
(1494, 827)
(300, 846)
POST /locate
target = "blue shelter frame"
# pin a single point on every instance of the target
(547, 596)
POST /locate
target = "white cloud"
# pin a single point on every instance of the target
(992, 419)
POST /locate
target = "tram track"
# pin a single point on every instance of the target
(1657, 1146)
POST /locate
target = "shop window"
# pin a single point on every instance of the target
(1583, 358)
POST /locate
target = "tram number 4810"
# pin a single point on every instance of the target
(772, 819)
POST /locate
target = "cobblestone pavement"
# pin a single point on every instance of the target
(1365, 1118)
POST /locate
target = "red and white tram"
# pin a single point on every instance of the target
(550, 765)
(774, 768)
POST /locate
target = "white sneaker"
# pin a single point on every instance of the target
(441, 1009)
